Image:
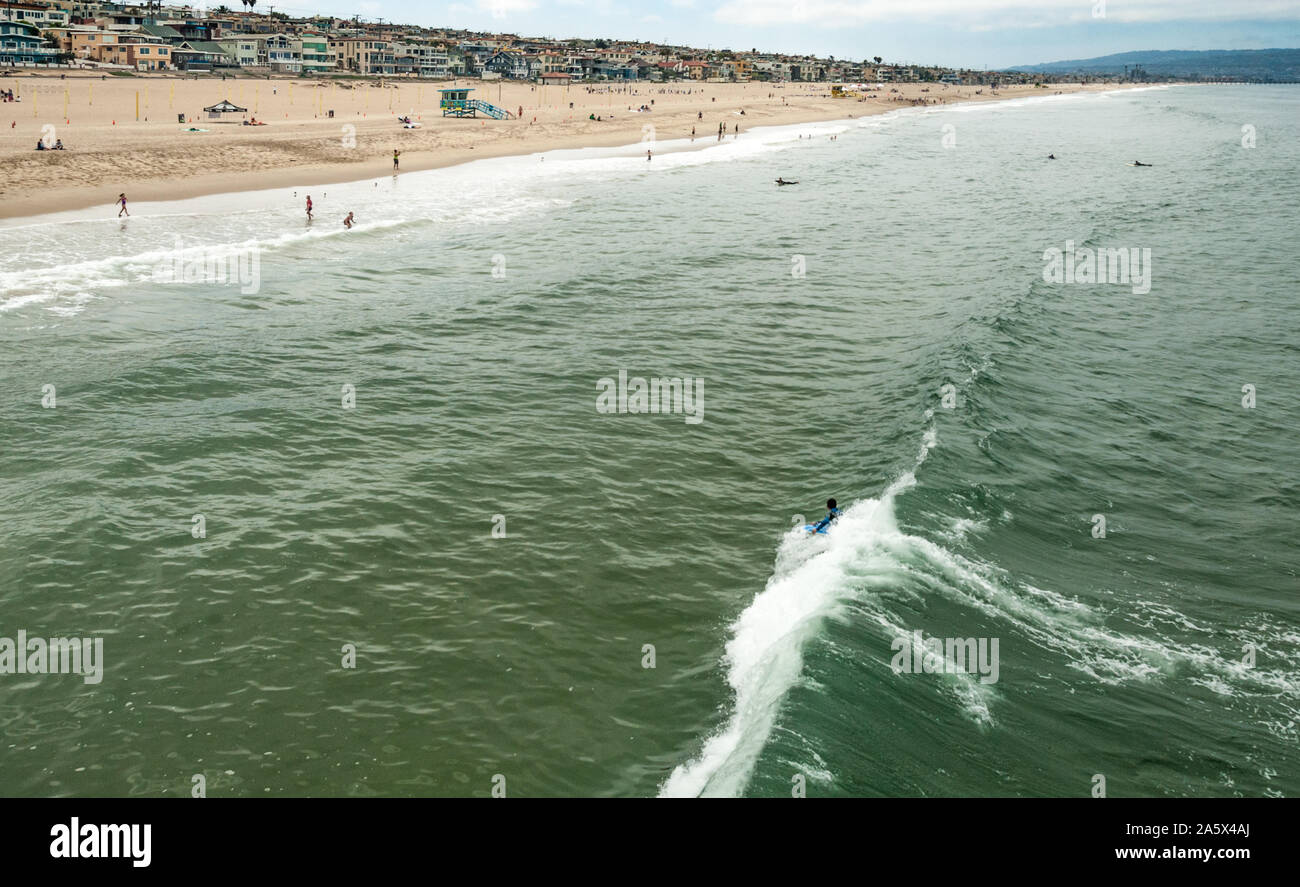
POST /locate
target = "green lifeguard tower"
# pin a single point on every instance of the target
(457, 103)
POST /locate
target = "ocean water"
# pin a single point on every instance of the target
(394, 439)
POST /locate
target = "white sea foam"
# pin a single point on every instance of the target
(764, 657)
(867, 559)
(62, 261)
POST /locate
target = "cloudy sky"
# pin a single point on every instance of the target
(970, 33)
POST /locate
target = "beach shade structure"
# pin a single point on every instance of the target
(225, 106)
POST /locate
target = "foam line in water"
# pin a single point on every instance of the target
(866, 553)
(765, 654)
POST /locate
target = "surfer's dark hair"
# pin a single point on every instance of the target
(830, 503)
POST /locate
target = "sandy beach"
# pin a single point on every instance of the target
(122, 134)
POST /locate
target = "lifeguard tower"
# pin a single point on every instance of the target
(457, 103)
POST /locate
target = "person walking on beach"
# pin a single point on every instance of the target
(396, 154)
(121, 201)
(309, 207)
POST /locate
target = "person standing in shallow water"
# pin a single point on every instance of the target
(396, 154)
(121, 201)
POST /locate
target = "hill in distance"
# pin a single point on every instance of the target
(1214, 64)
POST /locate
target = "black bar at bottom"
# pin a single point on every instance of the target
(336, 837)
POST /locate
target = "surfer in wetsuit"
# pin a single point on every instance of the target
(830, 518)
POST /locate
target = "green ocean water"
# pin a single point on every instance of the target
(506, 558)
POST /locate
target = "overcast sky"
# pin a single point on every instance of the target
(967, 33)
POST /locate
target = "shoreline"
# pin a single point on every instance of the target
(156, 162)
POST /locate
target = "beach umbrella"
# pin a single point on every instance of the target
(225, 106)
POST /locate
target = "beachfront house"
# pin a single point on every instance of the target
(243, 48)
(474, 56)
(201, 55)
(315, 54)
(737, 70)
(671, 70)
(360, 55)
(549, 62)
(82, 40)
(512, 65)
(133, 54)
(202, 29)
(696, 70)
(385, 62)
(283, 54)
(21, 43)
(424, 60)
(578, 67)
